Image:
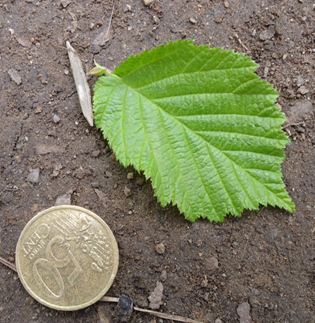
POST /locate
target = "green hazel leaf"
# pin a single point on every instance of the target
(201, 124)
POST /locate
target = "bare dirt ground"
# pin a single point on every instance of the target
(264, 258)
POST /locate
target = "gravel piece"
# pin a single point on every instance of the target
(255, 291)
(303, 90)
(204, 282)
(300, 109)
(95, 153)
(33, 176)
(212, 263)
(56, 170)
(268, 33)
(147, 2)
(56, 118)
(63, 199)
(65, 3)
(156, 297)
(243, 312)
(140, 181)
(160, 248)
(300, 80)
(15, 76)
(81, 172)
(108, 174)
(127, 191)
(42, 149)
(130, 176)
(163, 275)
(95, 184)
(24, 42)
(38, 110)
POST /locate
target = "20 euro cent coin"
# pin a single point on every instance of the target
(67, 257)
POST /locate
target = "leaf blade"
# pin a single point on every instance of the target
(203, 130)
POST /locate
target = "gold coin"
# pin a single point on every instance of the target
(67, 257)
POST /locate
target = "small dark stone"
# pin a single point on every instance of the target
(124, 309)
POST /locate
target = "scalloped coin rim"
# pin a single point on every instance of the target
(109, 283)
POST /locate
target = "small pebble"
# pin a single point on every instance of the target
(267, 34)
(193, 21)
(130, 176)
(303, 90)
(156, 19)
(63, 200)
(226, 4)
(108, 174)
(147, 2)
(127, 191)
(204, 283)
(243, 312)
(38, 110)
(95, 153)
(56, 118)
(15, 76)
(163, 275)
(160, 248)
(65, 3)
(33, 176)
(212, 263)
(300, 80)
(66, 72)
(218, 321)
(24, 42)
(255, 291)
(127, 8)
(156, 297)
(140, 181)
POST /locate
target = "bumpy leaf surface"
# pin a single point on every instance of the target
(201, 124)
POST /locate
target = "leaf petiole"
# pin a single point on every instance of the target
(99, 70)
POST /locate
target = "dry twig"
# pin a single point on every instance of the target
(240, 41)
(110, 20)
(154, 313)
(8, 264)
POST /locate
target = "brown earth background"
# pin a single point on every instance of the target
(265, 258)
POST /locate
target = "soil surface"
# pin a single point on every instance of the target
(263, 261)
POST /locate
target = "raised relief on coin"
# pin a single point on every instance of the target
(67, 257)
